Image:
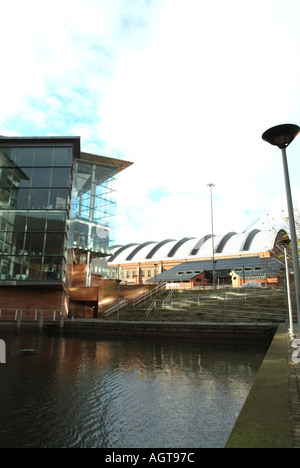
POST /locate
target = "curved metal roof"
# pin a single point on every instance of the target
(230, 244)
(137, 249)
(178, 245)
(249, 239)
(223, 242)
(200, 243)
(119, 251)
(157, 247)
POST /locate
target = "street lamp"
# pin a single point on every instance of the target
(118, 281)
(212, 233)
(155, 266)
(281, 136)
(285, 243)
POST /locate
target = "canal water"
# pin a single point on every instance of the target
(122, 393)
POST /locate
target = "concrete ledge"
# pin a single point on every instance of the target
(210, 331)
(250, 333)
(265, 419)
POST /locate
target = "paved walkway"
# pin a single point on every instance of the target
(270, 417)
(294, 389)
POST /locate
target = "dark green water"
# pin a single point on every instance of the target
(122, 393)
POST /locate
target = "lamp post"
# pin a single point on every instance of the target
(155, 266)
(281, 136)
(285, 243)
(212, 233)
(118, 281)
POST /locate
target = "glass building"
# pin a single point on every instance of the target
(56, 209)
(92, 210)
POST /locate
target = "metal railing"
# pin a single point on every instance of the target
(149, 294)
(169, 297)
(151, 307)
(29, 314)
(115, 308)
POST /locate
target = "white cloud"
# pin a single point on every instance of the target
(192, 110)
(182, 89)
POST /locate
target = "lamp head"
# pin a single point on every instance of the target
(285, 242)
(281, 135)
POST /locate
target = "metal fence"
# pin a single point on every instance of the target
(29, 314)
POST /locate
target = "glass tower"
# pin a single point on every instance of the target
(93, 206)
(92, 212)
(56, 209)
(35, 191)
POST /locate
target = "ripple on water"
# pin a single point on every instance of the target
(137, 393)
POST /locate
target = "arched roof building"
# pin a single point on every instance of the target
(138, 262)
(191, 248)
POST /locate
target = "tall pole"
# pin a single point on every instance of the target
(281, 136)
(118, 281)
(288, 290)
(212, 233)
(292, 232)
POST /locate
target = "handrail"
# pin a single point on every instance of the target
(115, 308)
(18, 313)
(168, 298)
(148, 294)
(151, 307)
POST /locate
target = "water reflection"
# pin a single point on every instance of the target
(122, 393)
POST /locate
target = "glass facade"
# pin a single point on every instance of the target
(56, 209)
(35, 190)
(93, 207)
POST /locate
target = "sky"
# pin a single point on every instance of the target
(184, 89)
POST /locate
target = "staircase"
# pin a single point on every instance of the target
(139, 301)
(267, 305)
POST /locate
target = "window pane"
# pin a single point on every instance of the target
(34, 243)
(18, 243)
(13, 220)
(4, 197)
(60, 177)
(62, 156)
(7, 156)
(6, 176)
(9, 245)
(39, 199)
(43, 157)
(12, 268)
(41, 177)
(56, 221)
(54, 244)
(33, 268)
(18, 268)
(19, 220)
(84, 206)
(36, 220)
(22, 176)
(14, 243)
(80, 235)
(19, 199)
(83, 178)
(52, 268)
(5, 270)
(59, 199)
(25, 156)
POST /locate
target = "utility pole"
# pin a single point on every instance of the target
(212, 234)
